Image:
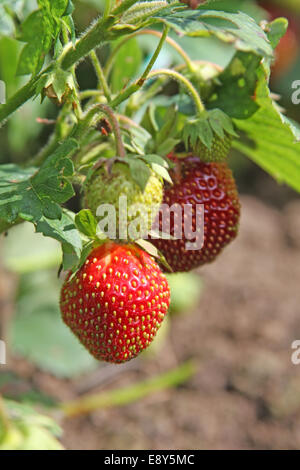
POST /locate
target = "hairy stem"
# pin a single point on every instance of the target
(107, 8)
(183, 81)
(105, 109)
(155, 55)
(97, 35)
(89, 94)
(123, 6)
(151, 32)
(168, 73)
(102, 83)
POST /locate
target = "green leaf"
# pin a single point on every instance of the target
(86, 223)
(68, 21)
(17, 196)
(40, 30)
(58, 7)
(139, 171)
(127, 63)
(51, 180)
(87, 248)
(59, 156)
(136, 138)
(152, 158)
(220, 122)
(235, 91)
(35, 196)
(28, 430)
(198, 129)
(161, 171)
(7, 26)
(271, 140)
(237, 29)
(204, 129)
(31, 193)
(65, 231)
(153, 251)
(167, 146)
(60, 81)
(69, 9)
(142, 10)
(169, 128)
(148, 247)
(276, 30)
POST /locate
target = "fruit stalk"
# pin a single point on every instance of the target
(130, 394)
(155, 55)
(105, 109)
(151, 32)
(185, 82)
(100, 75)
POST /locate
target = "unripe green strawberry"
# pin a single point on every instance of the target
(116, 302)
(107, 187)
(217, 153)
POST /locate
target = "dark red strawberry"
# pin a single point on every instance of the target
(210, 184)
(116, 302)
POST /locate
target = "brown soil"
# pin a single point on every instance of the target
(246, 392)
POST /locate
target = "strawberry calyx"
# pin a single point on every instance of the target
(209, 136)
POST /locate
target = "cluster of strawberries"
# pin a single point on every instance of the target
(117, 301)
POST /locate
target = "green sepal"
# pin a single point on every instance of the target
(209, 136)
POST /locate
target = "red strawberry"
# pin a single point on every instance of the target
(213, 185)
(116, 302)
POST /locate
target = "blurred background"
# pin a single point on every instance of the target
(235, 319)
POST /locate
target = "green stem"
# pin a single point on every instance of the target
(94, 37)
(139, 83)
(89, 94)
(97, 35)
(123, 6)
(100, 75)
(19, 98)
(155, 55)
(129, 394)
(137, 101)
(105, 109)
(60, 133)
(152, 32)
(107, 8)
(87, 155)
(185, 82)
(169, 73)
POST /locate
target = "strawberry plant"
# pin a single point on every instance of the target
(136, 133)
(114, 140)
